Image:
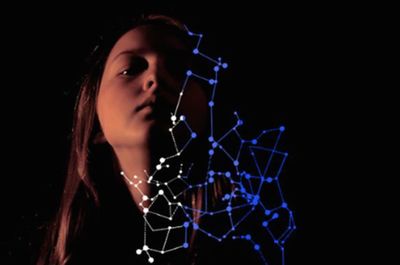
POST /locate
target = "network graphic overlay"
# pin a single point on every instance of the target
(251, 169)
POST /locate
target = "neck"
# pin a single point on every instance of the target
(135, 162)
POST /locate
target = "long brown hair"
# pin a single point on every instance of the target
(79, 189)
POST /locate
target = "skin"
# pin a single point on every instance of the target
(139, 89)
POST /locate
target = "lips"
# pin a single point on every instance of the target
(147, 103)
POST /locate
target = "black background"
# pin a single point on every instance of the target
(292, 65)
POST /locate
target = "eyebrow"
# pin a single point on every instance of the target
(128, 52)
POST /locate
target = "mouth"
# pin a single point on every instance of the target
(147, 104)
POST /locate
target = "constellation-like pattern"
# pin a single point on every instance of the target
(252, 169)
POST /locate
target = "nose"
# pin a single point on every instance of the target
(153, 76)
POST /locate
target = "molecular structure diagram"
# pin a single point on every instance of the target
(253, 171)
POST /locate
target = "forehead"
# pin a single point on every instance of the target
(158, 38)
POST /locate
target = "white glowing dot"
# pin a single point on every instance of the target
(173, 118)
(145, 248)
(145, 198)
(178, 154)
(179, 176)
(151, 260)
(162, 160)
(138, 251)
(140, 182)
(140, 204)
(162, 252)
(170, 129)
(130, 183)
(181, 94)
(158, 167)
(169, 228)
(182, 117)
(135, 177)
(161, 192)
(169, 203)
(167, 166)
(135, 185)
(170, 218)
(145, 210)
(179, 204)
(174, 197)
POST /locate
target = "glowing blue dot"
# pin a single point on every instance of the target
(211, 103)
(186, 224)
(286, 154)
(284, 205)
(185, 245)
(194, 135)
(257, 247)
(228, 209)
(265, 224)
(228, 174)
(188, 73)
(269, 179)
(211, 180)
(214, 145)
(254, 141)
(190, 186)
(227, 196)
(195, 226)
(267, 212)
(216, 68)
(236, 163)
(211, 172)
(248, 237)
(282, 128)
(211, 81)
(196, 51)
(210, 152)
(210, 139)
(275, 216)
(224, 65)
(247, 176)
(239, 122)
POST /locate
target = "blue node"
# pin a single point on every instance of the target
(257, 247)
(210, 139)
(211, 103)
(284, 205)
(210, 152)
(248, 237)
(265, 224)
(269, 179)
(228, 174)
(194, 135)
(216, 68)
(195, 226)
(211, 81)
(282, 128)
(247, 176)
(189, 73)
(236, 163)
(224, 65)
(211, 172)
(195, 51)
(267, 212)
(227, 196)
(211, 180)
(185, 245)
(228, 209)
(186, 224)
(254, 141)
(275, 216)
(214, 144)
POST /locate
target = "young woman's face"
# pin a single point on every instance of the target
(139, 90)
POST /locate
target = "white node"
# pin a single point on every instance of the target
(162, 160)
(151, 260)
(145, 248)
(145, 210)
(158, 167)
(173, 118)
(138, 251)
(145, 198)
(161, 192)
